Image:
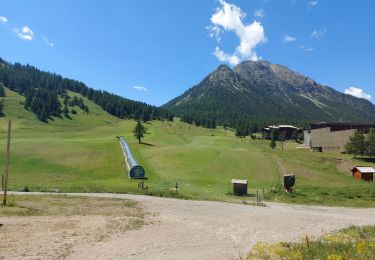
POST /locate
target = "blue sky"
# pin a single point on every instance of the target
(153, 51)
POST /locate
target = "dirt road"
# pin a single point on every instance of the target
(183, 229)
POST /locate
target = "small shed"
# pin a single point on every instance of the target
(239, 187)
(363, 173)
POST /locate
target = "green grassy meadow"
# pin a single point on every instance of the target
(83, 155)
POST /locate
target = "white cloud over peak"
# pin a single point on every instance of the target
(140, 88)
(48, 42)
(229, 17)
(313, 3)
(25, 33)
(357, 92)
(318, 34)
(259, 13)
(3, 20)
(224, 57)
(288, 39)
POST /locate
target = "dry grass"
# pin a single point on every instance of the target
(54, 226)
(63, 205)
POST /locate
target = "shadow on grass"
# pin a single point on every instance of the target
(147, 144)
(248, 195)
(367, 160)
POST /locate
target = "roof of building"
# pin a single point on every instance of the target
(287, 126)
(341, 126)
(237, 181)
(364, 169)
(278, 127)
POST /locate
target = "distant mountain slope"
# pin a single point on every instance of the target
(262, 93)
(42, 91)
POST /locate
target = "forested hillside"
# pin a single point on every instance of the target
(42, 91)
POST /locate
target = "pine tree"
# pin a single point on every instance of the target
(66, 111)
(145, 116)
(1, 108)
(139, 131)
(356, 144)
(2, 90)
(43, 114)
(371, 142)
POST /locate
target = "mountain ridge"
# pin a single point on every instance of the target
(261, 92)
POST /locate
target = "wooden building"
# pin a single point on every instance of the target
(239, 187)
(363, 173)
(282, 132)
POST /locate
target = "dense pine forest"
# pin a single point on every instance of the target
(42, 91)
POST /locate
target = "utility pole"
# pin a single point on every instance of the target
(7, 164)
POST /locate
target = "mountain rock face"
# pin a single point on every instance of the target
(263, 93)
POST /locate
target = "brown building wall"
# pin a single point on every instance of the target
(367, 176)
(330, 141)
(357, 175)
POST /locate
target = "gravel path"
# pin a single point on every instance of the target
(185, 229)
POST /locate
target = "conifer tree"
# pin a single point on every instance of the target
(371, 142)
(1, 108)
(2, 90)
(43, 114)
(356, 144)
(139, 131)
(66, 111)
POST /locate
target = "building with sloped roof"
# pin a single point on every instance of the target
(363, 173)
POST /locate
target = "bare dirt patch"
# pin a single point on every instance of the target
(51, 227)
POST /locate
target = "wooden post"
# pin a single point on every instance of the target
(7, 164)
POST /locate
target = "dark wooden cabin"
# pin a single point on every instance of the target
(363, 173)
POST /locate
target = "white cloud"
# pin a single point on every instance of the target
(229, 17)
(48, 42)
(214, 32)
(259, 13)
(318, 34)
(3, 20)
(313, 3)
(288, 38)
(357, 92)
(140, 88)
(308, 49)
(25, 33)
(222, 56)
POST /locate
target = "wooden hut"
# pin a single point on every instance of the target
(363, 173)
(239, 187)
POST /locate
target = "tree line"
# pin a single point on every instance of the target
(43, 89)
(2, 94)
